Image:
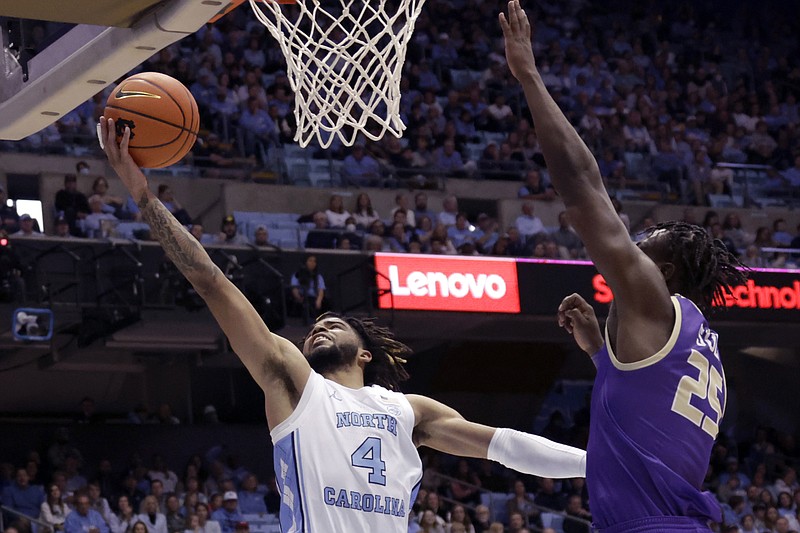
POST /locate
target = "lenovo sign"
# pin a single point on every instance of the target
(447, 283)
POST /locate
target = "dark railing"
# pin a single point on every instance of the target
(42, 527)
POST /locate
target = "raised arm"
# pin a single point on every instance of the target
(275, 363)
(643, 301)
(442, 428)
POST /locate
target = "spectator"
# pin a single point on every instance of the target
(482, 520)
(74, 480)
(88, 413)
(431, 523)
(516, 522)
(111, 203)
(575, 509)
(123, 520)
(535, 188)
(176, 521)
(258, 127)
(528, 224)
(421, 207)
(85, 519)
(53, 510)
(364, 213)
(547, 495)
(780, 236)
(229, 233)
(308, 290)
(462, 231)
(9, 219)
(23, 497)
(27, 227)
(566, 239)
(130, 489)
(203, 523)
(261, 237)
(791, 175)
(321, 236)
(459, 521)
(360, 169)
(168, 199)
(500, 117)
(336, 213)
(251, 500)
(732, 228)
(439, 234)
(71, 203)
(162, 473)
(228, 515)
(99, 223)
(154, 521)
(401, 203)
(447, 159)
(521, 503)
(486, 234)
(433, 502)
(450, 209)
(62, 229)
(98, 502)
(398, 238)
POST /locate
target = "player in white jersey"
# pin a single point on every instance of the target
(345, 441)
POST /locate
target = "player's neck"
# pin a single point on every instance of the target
(350, 377)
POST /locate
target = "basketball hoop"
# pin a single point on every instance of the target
(344, 62)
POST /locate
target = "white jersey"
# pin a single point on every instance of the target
(345, 460)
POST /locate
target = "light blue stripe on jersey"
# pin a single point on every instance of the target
(288, 477)
(301, 482)
(414, 492)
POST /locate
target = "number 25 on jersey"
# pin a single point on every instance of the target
(706, 387)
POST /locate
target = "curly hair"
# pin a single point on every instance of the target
(388, 354)
(709, 270)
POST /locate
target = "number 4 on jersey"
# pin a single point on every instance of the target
(368, 455)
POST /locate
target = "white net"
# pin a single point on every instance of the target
(344, 62)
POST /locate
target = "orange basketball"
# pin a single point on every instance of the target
(161, 114)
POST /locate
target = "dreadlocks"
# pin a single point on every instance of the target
(388, 354)
(709, 269)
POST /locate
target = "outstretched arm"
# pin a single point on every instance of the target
(643, 301)
(443, 428)
(275, 363)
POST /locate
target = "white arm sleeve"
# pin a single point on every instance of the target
(531, 454)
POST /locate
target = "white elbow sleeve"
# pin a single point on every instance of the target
(531, 454)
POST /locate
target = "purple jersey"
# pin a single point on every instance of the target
(653, 424)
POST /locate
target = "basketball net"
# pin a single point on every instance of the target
(344, 63)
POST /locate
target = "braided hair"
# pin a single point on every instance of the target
(388, 354)
(709, 270)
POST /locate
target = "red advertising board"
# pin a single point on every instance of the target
(447, 283)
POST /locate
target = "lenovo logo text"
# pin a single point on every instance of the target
(455, 285)
(428, 283)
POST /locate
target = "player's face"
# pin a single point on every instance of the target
(330, 345)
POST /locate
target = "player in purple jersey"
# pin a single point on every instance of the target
(660, 390)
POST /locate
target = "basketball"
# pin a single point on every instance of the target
(162, 115)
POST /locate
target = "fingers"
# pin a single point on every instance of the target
(110, 137)
(513, 16)
(571, 301)
(504, 25)
(126, 139)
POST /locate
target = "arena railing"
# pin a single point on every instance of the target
(41, 526)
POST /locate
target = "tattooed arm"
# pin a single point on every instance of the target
(275, 363)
